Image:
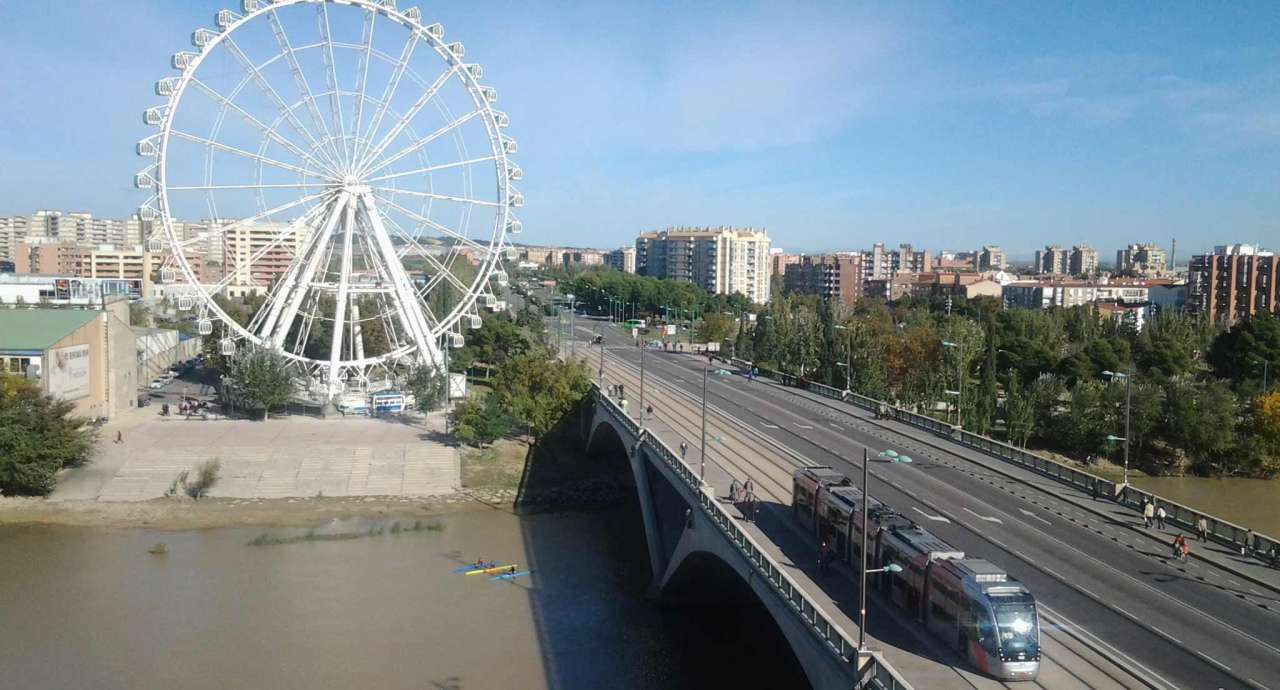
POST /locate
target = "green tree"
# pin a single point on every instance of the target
(537, 392)
(39, 435)
(1020, 411)
(428, 387)
(1200, 420)
(1238, 353)
(480, 420)
(715, 328)
(263, 378)
(139, 315)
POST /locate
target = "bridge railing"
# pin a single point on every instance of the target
(877, 672)
(1220, 530)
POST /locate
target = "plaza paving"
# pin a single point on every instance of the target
(281, 458)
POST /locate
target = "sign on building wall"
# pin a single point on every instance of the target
(67, 371)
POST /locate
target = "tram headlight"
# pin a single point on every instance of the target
(1021, 626)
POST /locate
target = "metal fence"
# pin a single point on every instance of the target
(876, 673)
(1220, 530)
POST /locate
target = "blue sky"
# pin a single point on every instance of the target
(833, 125)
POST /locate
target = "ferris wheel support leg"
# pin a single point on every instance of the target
(296, 292)
(279, 297)
(340, 308)
(406, 302)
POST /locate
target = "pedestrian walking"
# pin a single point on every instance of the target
(1186, 550)
(684, 447)
(622, 391)
(1093, 489)
(1148, 512)
(119, 436)
(648, 411)
(1202, 529)
(1248, 543)
(1160, 516)
(733, 491)
(624, 406)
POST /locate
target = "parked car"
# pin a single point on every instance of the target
(157, 384)
(144, 400)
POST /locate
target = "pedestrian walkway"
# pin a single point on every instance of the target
(285, 458)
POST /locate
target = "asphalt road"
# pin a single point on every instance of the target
(1189, 623)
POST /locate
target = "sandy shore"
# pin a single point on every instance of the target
(183, 513)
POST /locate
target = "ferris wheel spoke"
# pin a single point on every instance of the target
(300, 80)
(188, 188)
(417, 145)
(423, 220)
(439, 197)
(388, 93)
(270, 92)
(412, 243)
(432, 168)
(331, 75)
(405, 120)
(407, 302)
(269, 132)
(255, 218)
(197, 139)
(366, 57)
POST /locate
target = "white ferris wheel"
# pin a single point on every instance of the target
(353, 179)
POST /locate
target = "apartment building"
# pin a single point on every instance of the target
(1233, 282)
(248, 257)
(1052, 260)
(105, 261)
(1142, 260)
(832, 277)
(1041, 294)
(720, 260)
(1083, 261)
(622, 259)
(992, 258)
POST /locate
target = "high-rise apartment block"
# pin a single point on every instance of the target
(1142, 260)
(1052, 260)
(623, 259)
(1233, 282)
(719, 260)
(255, 254)
(833, 277)
(992, 258)
(1083, 261)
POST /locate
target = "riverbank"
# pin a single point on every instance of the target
(208, 513)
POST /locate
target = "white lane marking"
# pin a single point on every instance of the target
(769, 426)
(1075, 630)
(834, 425)
(1213, 661)
(1171, 637)
(935, 518)
(1256, 592)
(803, 426)
(1033, 516)
(983, 517)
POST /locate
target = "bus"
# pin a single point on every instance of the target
(634, 323)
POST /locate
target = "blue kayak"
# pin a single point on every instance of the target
(508, 576)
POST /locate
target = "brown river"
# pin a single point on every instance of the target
(83, 608)
(1253, 503)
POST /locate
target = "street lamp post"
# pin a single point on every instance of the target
(573, 312)
(848, 363)
(1265, 365)
(702, 453)
(890, 568)
(641, 383)
(600, 374)
(1128, 405)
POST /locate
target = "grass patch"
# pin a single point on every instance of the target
(499, 466)
(267, 539)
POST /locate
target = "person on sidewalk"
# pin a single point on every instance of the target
(684, 448)
(1148, 510)
(1202, 529)
(1186, 550)
(1160, 516)
(119, 436)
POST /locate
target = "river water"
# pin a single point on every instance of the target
(1252, 503)
(83, 608)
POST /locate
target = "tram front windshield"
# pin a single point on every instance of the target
(1016, 623)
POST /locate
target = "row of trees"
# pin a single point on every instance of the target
(1053, 378)
(644, 297)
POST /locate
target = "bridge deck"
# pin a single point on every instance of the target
(733, 454)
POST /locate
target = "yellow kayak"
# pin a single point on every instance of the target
(491, 570)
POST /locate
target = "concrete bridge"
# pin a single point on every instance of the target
(687, 522)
